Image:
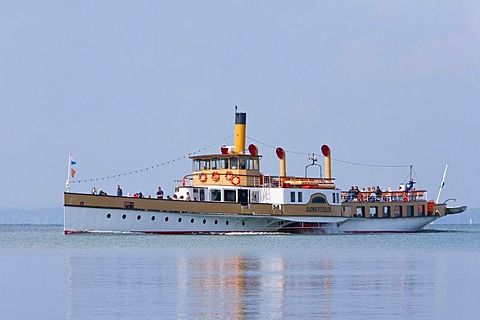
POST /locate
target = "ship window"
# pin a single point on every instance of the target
(109, 215)
(224, 163)
(421, 210)
(204, 221)
(197, 165)
(124, 216)
(139, 217)
(153, 218)
(373, 212)
(234, 163)
(300, 196)
(409, 211)
(166, 219)
(398, 211)
(230, 195)
(206, 164)
(292, 196)
(215, 195)
(256, 164)
(216, 221)
(192, 220)
(216, 163)
(179, 219)
(227, 223)
(250, 164)
(360, 211)
(254, 196)
(318, 200)
(386, 211)
(202, 195)
(243, 223)
(243, 164)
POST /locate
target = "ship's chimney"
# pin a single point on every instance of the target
(283, 167)
(327, 154)
(239, 136)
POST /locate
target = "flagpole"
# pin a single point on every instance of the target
(442, 184)
(69, 175)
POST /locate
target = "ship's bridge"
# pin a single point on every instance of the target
(232, 169)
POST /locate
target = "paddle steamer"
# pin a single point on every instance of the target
(228, 193)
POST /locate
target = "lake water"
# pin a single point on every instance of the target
(433, 274)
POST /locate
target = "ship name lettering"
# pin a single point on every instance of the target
(319, 209)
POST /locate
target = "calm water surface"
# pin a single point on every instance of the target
(434, 274)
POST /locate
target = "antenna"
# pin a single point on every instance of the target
(314, 159)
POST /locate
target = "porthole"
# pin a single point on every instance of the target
(166, 219)
(124, 216)
(109, 215)
(179, 219)
(82, 203)
(139, 217)
(216, 221)
(192, 220)
(204, 221)
(227, 222)
(153, 218)
(243, 223)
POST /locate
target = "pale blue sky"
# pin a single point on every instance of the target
(124, 85)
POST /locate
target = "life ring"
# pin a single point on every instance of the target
(183, 182)
(360, 197)
(229, 175)
(235, 180)
(203, 177)
(215, 176)
(405, 197)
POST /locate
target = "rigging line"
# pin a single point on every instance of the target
(373, 165)
(272, 147)
(154, 166)
(338, 160)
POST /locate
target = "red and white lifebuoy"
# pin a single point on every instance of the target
(203, 177)
(215, 176)
(235, 180)
(229, 175)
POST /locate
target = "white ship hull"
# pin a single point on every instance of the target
(84, 219)
(366, 225)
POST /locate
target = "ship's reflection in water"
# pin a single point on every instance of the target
(202, 287)
(252, 286)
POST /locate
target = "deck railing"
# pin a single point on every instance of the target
(365, 196)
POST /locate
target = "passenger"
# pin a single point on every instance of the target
(378, 192)
(102, 193)
(372, 196)
(168, 197)
(140, 195)
(356, 193)
(401, 187)
(159, 193)
(350, 194)
(409, 185)
(187, 197)
(175, 197)
(94, 190)
(119, 191)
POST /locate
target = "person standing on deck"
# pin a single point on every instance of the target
(119, 191)
(159, 193)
